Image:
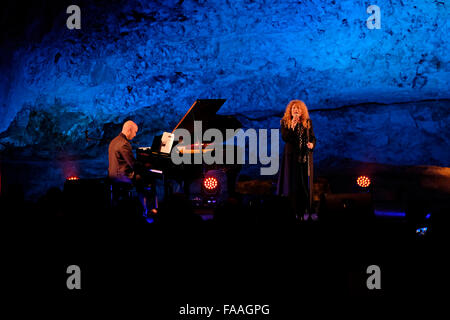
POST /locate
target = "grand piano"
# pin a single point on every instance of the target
(156, 162)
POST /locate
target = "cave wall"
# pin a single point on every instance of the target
(374, 95)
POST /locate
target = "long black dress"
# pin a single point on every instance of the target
(293, 177)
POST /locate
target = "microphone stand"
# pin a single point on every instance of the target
(310, 169)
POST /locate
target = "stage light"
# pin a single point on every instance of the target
(363, 181)
(422, 231)
(73, 178)
(210, 184)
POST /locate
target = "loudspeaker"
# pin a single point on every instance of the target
(346, 207)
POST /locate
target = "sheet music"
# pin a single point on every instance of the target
(167, 142)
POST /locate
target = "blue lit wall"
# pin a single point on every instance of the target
(375, 95)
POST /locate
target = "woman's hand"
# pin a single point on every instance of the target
(310, 145)
(294, 122)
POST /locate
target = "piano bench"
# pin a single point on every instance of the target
(120, 191)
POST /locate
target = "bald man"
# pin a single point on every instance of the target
(121, 158)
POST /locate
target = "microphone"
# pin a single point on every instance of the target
(296, 118)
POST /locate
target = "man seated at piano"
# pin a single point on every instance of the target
(120, 154)
(123, 166)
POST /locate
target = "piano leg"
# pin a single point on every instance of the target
(187, 186)
(232, 173)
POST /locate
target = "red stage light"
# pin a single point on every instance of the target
(363, 181)
(72, 178)
(210, 183)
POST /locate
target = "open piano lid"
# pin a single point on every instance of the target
(205, 110)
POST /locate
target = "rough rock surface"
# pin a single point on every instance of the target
(150, 60)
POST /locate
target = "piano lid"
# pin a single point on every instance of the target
(202, 110)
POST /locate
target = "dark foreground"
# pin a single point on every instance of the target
(257, 255)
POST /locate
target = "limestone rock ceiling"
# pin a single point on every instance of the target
(151, 60)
